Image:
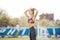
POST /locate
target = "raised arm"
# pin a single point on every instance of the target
(36, 12)
(26, 13)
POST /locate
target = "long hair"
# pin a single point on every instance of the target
(32, 9)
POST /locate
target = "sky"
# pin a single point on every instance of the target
(16, 8)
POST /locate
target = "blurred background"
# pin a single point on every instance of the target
(12, 14)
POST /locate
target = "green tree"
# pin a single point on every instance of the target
(43, 22)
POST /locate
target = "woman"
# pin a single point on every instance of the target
(31, 21)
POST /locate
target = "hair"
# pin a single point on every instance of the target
(32, 10)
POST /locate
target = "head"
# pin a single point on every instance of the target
(31, 11)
